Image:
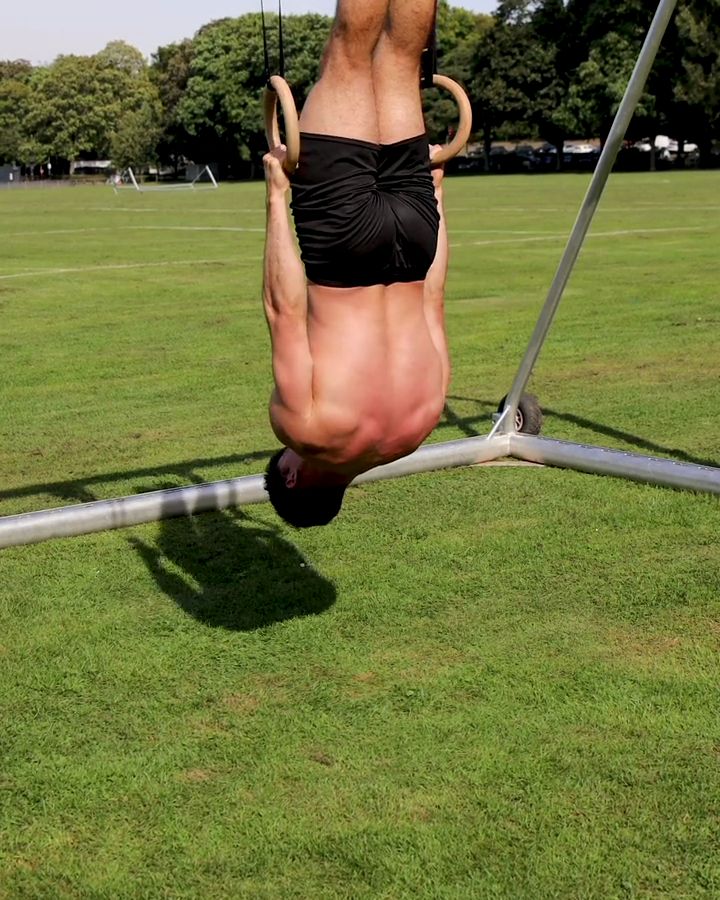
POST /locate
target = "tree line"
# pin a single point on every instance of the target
(544, 69)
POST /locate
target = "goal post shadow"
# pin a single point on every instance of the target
(505, 440)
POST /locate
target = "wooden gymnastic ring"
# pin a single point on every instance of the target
(278, 91)
(462, 135)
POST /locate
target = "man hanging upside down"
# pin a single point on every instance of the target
(359, 349)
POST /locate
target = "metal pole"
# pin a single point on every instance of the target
(103, 515)
(603, 461)
(619, 128)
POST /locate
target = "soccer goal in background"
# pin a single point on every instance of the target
(200, 179)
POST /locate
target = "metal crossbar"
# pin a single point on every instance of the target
(103, 515)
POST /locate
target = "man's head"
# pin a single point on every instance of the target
(302, 501)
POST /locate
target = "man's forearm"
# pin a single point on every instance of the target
(284, 277)
(285, 301)
(437, 274)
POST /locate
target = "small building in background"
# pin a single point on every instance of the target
(9, 174)
(91, 167)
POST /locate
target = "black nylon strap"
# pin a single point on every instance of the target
(265, 43)
(281, 45)
(428, 63)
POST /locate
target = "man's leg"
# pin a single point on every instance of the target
(342, 103)
(396, 80)
(396, 69)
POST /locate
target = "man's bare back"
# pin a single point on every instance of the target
(361, 369)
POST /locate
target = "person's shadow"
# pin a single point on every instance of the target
(228, 571)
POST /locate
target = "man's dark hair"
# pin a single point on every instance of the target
(301, 507)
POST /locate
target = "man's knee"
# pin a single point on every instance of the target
(406, 31)
(397, 55)
(350, 49)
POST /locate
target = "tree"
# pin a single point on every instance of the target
(15, 78)
(614, 35)
(123, 57)
(79, 102)
(134, 142)
(220, 109)
(557, 52)
(698, 91)
(169, 72)
(459, 35)
(506, 74)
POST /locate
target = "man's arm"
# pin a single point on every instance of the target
(434, 288)
(285, 301)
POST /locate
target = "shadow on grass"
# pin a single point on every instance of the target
(472, 426)
(79, 488)
(227, 571)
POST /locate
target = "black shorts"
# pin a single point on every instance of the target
(364, 213)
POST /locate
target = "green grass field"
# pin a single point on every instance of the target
(496, 682)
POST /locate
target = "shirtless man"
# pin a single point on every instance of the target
(359, 349)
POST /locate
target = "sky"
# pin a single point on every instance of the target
(41, 30)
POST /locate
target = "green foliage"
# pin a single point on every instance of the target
(79, 102)
(505, 65)
(699, 90)
(123, 58)
(557, 52)
(135, 140)
(15, 79)
(459, 38)
(601, 80)
(220, 108)
(169, 73)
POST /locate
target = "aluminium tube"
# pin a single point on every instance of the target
(620, 463)
(619, 128)
(103, 515)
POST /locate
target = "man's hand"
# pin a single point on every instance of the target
(438, 172)
(275, 176)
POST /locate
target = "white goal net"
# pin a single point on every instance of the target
(198, 178)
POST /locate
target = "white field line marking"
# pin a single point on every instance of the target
(640, 208)
(496, 231)
(536, 235)
(209, 211)
(117, 266)
(116, 228)
(481, 210)
(649, 207)
(555, 237)
(92, 209)
(188, 228)
(478, 209)
(202, 262)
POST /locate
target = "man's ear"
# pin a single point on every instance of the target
(288, 472)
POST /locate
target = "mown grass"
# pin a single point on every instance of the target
(493, 682)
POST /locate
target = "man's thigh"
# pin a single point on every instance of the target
(342, 104)
(343, 101)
